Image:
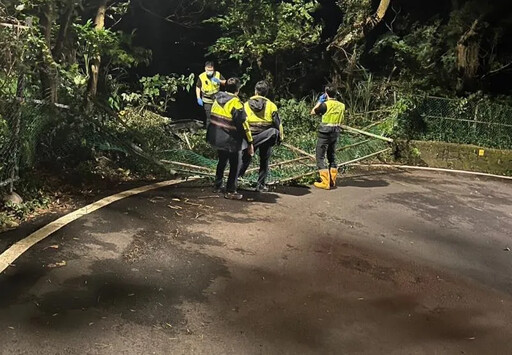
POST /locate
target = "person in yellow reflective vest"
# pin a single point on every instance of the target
(229, 133)
(333, 115)
(266, 129)
(207, 86)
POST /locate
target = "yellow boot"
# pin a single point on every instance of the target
(334, 174)
(325, 183)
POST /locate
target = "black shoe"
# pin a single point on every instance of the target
(262, 188)
(217, 189)
(233, 196)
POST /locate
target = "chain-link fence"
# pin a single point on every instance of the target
(34, 133)
(465, 121)
(21, 129)
(10, 138)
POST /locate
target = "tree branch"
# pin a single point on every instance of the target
(168, 18)
(360, 29)
(503, 67)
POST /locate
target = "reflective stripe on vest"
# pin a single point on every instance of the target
(335, 113)
(262, 118)
(221, 115)
(208, 87)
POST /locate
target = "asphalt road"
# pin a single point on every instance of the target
(390, 262)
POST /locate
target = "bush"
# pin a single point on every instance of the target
(296, 118)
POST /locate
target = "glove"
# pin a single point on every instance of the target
(322, 98)
(200, 101)
(216, 80)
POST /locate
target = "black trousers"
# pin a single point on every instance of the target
(208, 114)
(326, 144)
(265, 152)
(234, 167)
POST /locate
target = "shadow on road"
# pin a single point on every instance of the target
(362, 182)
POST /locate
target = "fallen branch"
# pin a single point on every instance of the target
(364, 133)
(353, 145)
(343, 164)
(185, 165)
(11, 25)
(286, 162)
(296, 160)
(297, 150)
(186, 140)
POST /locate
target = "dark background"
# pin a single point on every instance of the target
(183, 49)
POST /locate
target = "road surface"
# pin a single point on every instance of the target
(389, 262)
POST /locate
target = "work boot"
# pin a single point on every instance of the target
(334, 174)
(325, 183)
(233, 196)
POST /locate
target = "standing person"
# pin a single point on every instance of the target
(229, 133)
(333, 114)
(266, 129)
(208, 84)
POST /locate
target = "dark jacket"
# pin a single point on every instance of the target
(228, 129)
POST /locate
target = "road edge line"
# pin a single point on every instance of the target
(19, 248)
(426, 168)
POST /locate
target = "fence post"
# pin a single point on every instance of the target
(475, 118)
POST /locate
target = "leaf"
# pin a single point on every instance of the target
(57, 264)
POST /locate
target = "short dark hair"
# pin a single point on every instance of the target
(233, 85)
(331, 90)
(209, 64)
(262, 88)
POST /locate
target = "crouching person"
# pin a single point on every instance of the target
(229, 133)
(333, 113)
(266, 129)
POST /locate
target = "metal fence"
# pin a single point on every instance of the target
(33, 132)
(465, 121)
(10, 134)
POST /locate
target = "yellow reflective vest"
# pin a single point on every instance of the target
(222, 116)
(208, 87)
(259, 121)
(335, 114)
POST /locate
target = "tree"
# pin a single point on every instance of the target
(266, 37)
(99, 24)
(358, 21)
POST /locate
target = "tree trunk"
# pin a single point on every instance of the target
(48, 73)
(64, 22)
(361, 29)
(374, 20)
(99, 23)
(468, 55)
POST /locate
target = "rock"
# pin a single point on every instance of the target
(13, 198)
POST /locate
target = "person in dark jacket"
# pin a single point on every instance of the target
(266, 129)
(229, 133)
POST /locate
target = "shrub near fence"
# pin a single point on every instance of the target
(463, 121)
